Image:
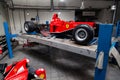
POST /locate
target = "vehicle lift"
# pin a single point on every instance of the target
(104, 46)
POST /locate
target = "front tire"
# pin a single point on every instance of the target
(83, 34)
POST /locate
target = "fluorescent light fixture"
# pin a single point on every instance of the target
(62, 0)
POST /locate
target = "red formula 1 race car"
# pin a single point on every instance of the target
(21, 71)
(81, 32)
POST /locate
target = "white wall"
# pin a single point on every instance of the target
(3, 17)
(17, 19)
(64, 15)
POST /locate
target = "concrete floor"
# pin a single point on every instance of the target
(61, 65)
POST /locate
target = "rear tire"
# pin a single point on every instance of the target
(83, 34)
(29, 26)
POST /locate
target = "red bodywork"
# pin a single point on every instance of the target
(1, 50)
(19, 71)
(58, 26)
(41, 73)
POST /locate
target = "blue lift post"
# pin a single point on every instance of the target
(115, 44)
(9, 36)
(32, 33)
(104, 44)
(118, 29)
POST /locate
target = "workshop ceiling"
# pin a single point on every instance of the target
(71, 4)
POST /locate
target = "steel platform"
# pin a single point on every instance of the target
(64, 44)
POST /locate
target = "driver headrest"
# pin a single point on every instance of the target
(55, 16)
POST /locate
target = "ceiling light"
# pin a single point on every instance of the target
(62, 0)
(113, 7)
(82, 5)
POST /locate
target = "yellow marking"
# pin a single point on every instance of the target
(15, 70)
(67, 25)
(41, 76)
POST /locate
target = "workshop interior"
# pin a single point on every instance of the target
(59, 39)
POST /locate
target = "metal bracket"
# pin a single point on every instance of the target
(99, 61)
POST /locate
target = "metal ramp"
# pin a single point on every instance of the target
(63, 44)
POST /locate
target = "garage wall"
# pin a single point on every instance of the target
(118, 13)
(3, 17)
(105, 16)
(64, 15)
(18, 17)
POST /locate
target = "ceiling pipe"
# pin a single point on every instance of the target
(44, 7)
(48, 9)
(52, 5)
(12, 3)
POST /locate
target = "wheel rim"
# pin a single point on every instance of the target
(26, 27)
(81, 34)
